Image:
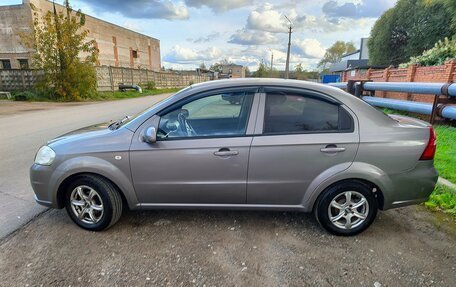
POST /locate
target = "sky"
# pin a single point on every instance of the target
(245, 32)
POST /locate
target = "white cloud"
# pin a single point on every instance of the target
(179, 54)
(308, 48)
(142, 9)
(219, 6)
(249, 37)
(360, 9)
(265, 18)
(271, 18)
(205, 39)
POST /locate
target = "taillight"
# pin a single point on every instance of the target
(429, 152)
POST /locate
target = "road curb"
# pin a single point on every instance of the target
(443, 182)
(12, 233)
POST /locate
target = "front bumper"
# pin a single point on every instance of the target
(413, 186)
(40, 179)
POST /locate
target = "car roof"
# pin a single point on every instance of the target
(355, 104)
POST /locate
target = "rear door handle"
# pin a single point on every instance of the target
(332, 149)
(226, 152)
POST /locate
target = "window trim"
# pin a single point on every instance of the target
(214, 92)
(305, 93)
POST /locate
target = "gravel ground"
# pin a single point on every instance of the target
(404, 247)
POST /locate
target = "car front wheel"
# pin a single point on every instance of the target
(347, 208)
(93, 203)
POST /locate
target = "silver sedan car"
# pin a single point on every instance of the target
(256, 144)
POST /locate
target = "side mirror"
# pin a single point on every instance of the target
(150, 135)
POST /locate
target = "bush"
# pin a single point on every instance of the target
(34, 95)
(442, 51)
(148, 86)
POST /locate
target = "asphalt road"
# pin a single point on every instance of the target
(24, 127)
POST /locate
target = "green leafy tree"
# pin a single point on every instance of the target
(407, 29)
(217, 67)
(303, 74)
(65, 55)
(262, 71)
(334, 53)
(442, 51)
(247, 71)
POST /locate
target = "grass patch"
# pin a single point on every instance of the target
(445, 157)
(442, 199)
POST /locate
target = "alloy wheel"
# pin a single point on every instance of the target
(86, 204)
(348, 210)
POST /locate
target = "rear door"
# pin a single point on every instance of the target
(299, 135)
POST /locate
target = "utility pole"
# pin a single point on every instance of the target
(272, 59)
(287, 65)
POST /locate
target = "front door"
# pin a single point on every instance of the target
(300, 136)
(201, 154)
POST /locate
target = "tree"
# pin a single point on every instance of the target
(407, 29)
(334, 53)
(442, 51)
(247, 71)
(64, 54)
(217, 67)
(262, 71)
(202, 66)
(303, 74)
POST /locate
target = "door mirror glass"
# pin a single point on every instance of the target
(150, 135)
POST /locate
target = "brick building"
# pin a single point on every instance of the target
(118, 46)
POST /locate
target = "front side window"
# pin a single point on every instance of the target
(221, 114)
(296, 113)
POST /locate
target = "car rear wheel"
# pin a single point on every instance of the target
(347, 208)
(93, 203)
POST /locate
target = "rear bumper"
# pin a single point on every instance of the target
(411, 187)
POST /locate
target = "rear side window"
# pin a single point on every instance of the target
(297, 113)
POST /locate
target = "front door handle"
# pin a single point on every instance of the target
(332, 149)
(226, 152)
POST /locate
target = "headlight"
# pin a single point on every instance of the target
(45, 156)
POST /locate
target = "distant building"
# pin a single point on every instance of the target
(118, 46)
(232, 71)
(359, 58)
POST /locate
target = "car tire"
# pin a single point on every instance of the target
(93, 203)
(341, 216)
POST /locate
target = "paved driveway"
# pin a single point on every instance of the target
(24, 127)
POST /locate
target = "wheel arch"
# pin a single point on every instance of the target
(66, 182)
(377, 180)
(372, 186)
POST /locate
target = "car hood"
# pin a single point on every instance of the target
(83, 132)
(92, 139)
